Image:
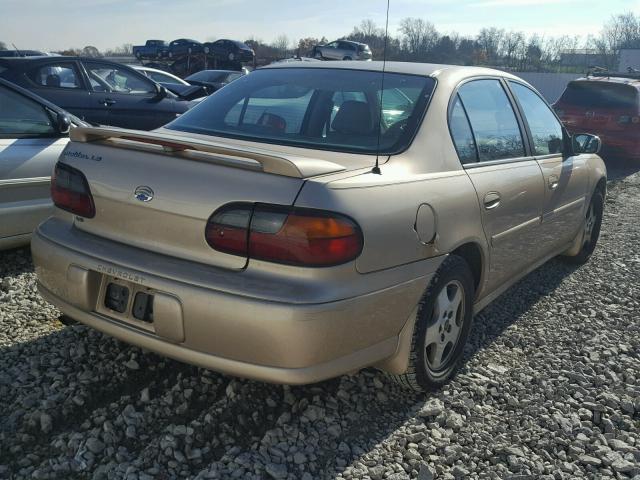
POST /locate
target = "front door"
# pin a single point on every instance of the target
(565, 177)
(507, 179)
(129, 99)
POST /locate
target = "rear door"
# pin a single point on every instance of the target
(129, 99)
(332, 51)
(62, 83)
(565, 177)
(29, 147)
(490, 143)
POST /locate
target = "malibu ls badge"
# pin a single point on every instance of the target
(143, 193)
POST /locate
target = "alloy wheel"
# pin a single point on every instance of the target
(444, 332)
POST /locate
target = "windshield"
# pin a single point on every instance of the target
(600, 95)
(330, 109)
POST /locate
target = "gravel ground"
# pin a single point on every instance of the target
(550, 389)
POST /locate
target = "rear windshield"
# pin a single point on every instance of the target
(600, 95)
(329, 109)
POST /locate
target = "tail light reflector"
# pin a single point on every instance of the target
(70, 191)
(294, 236)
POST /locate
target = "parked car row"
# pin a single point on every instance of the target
(223, 50)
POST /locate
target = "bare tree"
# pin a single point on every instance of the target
(490, 40)
(418, 36)
(305, 45)
(281, 44)
(511, 43)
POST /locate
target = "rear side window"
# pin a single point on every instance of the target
(58, 75)
(495, 127)
(332, 109)
(604, 95)
(461, 133)
(546, 131)
(22, 117)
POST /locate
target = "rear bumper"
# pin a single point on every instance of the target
(202, 324)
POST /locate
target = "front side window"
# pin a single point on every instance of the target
(496, 130)
(111, 78)
(22, 117)
(461, 133)
(331, 109)
(546, 131)
(56, 75)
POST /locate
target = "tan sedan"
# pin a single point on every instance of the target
(311, 220)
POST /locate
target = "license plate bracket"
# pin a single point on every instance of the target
(116, 297)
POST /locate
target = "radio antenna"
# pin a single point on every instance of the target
(376, 169)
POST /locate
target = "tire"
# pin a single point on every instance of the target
(591, 232)
(347, 58)
(442, 328)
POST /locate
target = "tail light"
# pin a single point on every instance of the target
(70, 191)
(294, 236)
(627, 119)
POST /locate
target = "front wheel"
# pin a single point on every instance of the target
(346, 58)
(442, 327)
(591, 229)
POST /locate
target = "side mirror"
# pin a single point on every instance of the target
(63, 123)
(161, 92)
(586, 143)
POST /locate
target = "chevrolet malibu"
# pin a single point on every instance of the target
(308, 220)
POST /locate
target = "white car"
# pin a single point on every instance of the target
(33, 133)
(159, 76)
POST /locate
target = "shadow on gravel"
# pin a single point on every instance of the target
(15, 261)
(619, 168)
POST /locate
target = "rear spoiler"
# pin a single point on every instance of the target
(275, 163)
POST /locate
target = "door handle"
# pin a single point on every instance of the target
(491, 200)
(108, 102)
(553, 182)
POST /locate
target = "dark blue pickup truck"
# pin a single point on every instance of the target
(151, 49)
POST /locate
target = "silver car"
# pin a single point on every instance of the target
(33, 133)
(310, 220)
(343, 50)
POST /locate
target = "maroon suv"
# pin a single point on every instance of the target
(608, 106)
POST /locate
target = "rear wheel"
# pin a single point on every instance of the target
(346, 58)
(591, 231)
(442, 327)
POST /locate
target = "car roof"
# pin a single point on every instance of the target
(411, 68)
(24, 62)
(634, 82)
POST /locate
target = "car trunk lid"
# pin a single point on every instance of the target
(156, 191)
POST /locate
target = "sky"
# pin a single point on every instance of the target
(56, 25)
